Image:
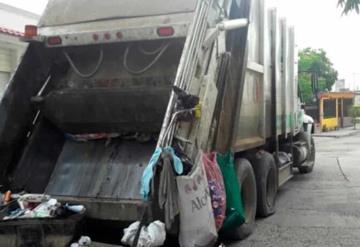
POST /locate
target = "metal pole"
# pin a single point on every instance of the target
(187, 63)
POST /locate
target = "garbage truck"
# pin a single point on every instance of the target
(103, 84)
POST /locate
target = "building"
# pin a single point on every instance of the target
(334, 110)
(357, 98)
(339, 86)
(12, 22)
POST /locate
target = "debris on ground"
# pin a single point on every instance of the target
(25, 206)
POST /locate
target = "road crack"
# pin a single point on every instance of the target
(341, 170)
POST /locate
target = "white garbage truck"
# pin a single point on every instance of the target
(98, 90)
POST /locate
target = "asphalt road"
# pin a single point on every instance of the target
(321, 208)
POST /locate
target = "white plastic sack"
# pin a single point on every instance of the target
(152, 236)
(130, 232)
(197, 224)
(84, 241)
(157, 233)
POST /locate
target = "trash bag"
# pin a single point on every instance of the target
(151, 236)
(217, 188)
(84, 241)
(197, 224)
(235, 213)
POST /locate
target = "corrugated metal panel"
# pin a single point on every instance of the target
(4, 79)
(5, 60)
(96, 169)
(60, 12)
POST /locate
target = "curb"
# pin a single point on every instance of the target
(338, 135)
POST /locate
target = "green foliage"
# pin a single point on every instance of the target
(305, 85)
(315, 61)
(350, 5)
(355, 113)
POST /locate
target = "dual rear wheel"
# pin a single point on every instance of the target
(258, 180)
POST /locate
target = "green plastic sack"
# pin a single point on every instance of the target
(235, 213)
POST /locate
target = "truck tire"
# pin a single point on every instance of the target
(246, 178)
(308, 165)
(267, 181)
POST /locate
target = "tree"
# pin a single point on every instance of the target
(314, 62)
(355, 112)
(350, 5)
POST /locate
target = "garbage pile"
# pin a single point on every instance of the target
(28, 206)
(205, 196)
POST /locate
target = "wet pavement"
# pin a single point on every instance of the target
(321, 208)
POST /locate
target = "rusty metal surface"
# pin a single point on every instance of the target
(100, 170)
(62, 12)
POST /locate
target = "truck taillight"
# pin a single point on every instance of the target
(30, 31)
(119, 35)
(95, 37)
(165, 31)
(107, 36)
(54, 40)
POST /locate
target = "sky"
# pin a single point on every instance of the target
(35, 6)
(318, 24)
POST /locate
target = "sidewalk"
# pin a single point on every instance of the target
(339, 133)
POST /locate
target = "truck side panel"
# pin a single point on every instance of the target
(236, 43)
(268, 68)
(286, 87)
(277, 53)
(289, 67)
(250, 117)
(296, 104)
(271, 56)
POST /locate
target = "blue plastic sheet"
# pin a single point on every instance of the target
(149, 170)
